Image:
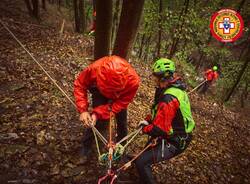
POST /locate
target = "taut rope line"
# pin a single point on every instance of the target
(53, 80)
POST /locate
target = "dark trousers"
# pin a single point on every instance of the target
(102, 126)
(203, 89)
(155, 155)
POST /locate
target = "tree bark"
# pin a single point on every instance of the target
(77, 28)
(44, 4)
(115, 21)
(159, 30)
(94, 5)
(147, 43)
(244, 66)
(244, 94)
(79, 15)
(176, 39)
(36, 8)
(28, 5)
(103, 28)
(128, 26)
(142, 45)
(59, 3)
(241, 5)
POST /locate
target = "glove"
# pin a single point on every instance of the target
(143, 123)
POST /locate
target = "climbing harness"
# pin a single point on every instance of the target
(112, 175)
(197, 87)
(115, 150)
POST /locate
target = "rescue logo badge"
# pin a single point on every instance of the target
(226, 25)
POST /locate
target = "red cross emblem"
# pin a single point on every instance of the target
(226, 25)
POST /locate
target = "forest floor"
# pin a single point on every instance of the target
(40, 133)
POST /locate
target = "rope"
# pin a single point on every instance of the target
(128, 136)
(128, 164)
(196, 87)
(110, 145)
(136, 133)
(95, 131)
(53, 80)
(99, 135)
(97, 144)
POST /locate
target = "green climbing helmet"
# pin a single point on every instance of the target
(215, 68)
(163, 66)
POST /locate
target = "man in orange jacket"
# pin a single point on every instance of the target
(210, 76)
(113, 84)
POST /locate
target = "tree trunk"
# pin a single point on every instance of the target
(141, 45)
(176, 39)
(77, 27)
(143, 40)
(244, 94)
(159, 30)
(128, 26)
(81, 16)
(44, 4)
(103, 28)
(36, 8)
(67, 3)
(94, 5)
(28, 5)
(59, 3)
(244, 66)
(115, 21)
(241, 5)
(147, 43)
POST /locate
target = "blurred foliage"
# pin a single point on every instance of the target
(196, 50)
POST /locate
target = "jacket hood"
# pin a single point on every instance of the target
(178, 83)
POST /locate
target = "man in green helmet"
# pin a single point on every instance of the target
(170, 122)
(210, 75)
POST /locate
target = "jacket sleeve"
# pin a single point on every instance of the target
(216, 75)
(103, 111)
(162, 123)
(81, 85)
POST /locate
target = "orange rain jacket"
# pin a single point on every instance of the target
(211, 75)
(114, 77)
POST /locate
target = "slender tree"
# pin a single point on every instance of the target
(159, 30)
(44, 4)
(81, 16)
(115, 21)
(181, 21)
(128, 26)
(103, 28)
(143, 40)
(28, 5)
(244, 94)
(243, 69)
(36, 11)
(79, 11)
(241, 5)
(33, 8)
